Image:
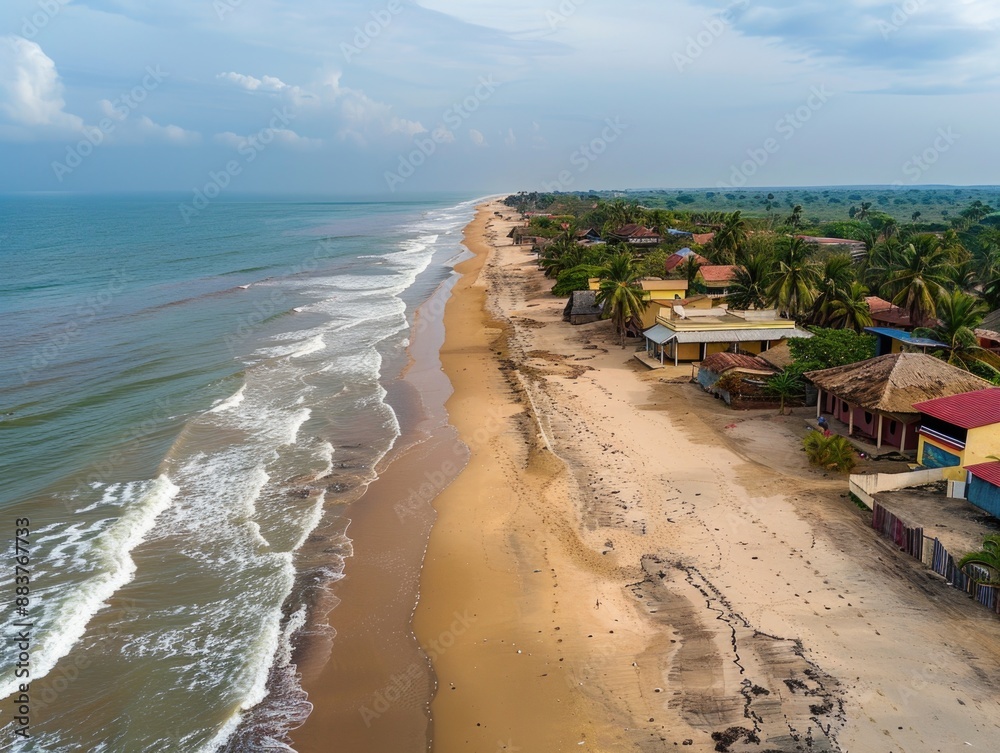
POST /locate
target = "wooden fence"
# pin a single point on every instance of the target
(911, 540)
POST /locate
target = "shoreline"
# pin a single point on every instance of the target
(370, 683)
(669, 571)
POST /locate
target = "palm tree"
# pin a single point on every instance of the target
(752, 279)
(920, 278)
(620, 294)
(959, 314)
(849, 308)
(793, 288)
(863, 212)
(785, 385)
(560, 255)
(730, 237)
(795, 218)
(987, 558)
(836, 276)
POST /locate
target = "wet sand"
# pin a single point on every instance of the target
(625, 564)
(369, 681)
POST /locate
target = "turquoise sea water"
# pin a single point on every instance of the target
(181, 406)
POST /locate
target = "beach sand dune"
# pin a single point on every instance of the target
(625, 564)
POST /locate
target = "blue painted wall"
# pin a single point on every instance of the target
(935, 457)
(985, 496)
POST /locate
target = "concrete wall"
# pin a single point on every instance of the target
(866, 486)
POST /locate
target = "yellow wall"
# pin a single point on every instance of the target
(753, 347)
(649, 315)
(687, 351)
(717, 348)
(982, 442)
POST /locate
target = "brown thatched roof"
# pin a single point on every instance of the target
(893, 383)
(720, 363)
(780, 355)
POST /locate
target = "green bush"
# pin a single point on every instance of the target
(834, 452)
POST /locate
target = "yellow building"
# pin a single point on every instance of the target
(692, 334)
(661, 294)
(960, 430)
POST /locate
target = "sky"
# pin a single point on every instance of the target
(406, 97)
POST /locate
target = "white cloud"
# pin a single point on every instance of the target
(129, 128)
(362, 116)
(31, 92)
(477, 137)
(281, 136)
(357, 116)
(510, 139)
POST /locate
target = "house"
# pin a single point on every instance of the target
(676, 259)
(691, 333)
(717, 278)
(582, 308)
(960, 429)
(659, 293)
(589, 235)
(889, 340)
(779, 356)
(886, 314)
(857, 249)
(878, 398)
(749, 369)
(988, 330)
(983, 488)
(636, 235)
(702, 238)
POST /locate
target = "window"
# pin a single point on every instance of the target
(892, 427)
(845, 407)
(868, 417)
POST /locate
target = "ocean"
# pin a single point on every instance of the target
(185, 410)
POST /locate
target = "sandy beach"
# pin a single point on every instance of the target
(626, 564)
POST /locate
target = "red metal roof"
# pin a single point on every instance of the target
(989, 472)
(968, 410)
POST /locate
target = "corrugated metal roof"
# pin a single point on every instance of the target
(906, 337)
(988, 472)
(740, 335)
(659, 334)
(968, 410)
(895, 383)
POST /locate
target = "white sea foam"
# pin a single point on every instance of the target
(230, 402)
(312, 345)
(113, 549)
